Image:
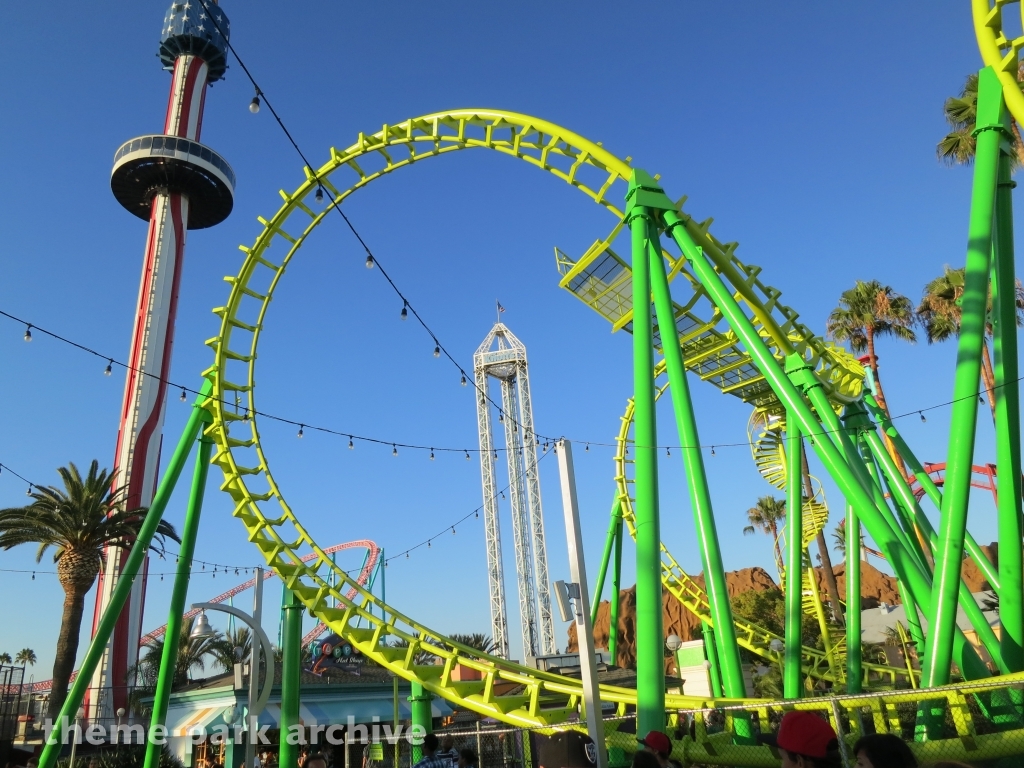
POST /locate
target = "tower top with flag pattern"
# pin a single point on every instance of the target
(189, 30)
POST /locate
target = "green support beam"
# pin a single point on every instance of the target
(792, 678)
(650, 655)
(854, 670)
(613, 617)
(711, 654)
(1007, 397)
(990, 133)
(291, 676)
(179, 594)
(697, 483)
(609, 548)
(422, 715)
(119, 596)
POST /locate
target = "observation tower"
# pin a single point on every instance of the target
(175, 183)
(502, 356)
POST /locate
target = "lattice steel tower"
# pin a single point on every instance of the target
(502, 356)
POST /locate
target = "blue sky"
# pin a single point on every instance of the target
(806, 129)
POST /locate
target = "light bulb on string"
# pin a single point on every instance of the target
(981, 399)
(28, 333)
(182, 398)
(495, 454)
(437, 350)
(921, 414)
(587, 449)
(712, 450)
(476, 514)
(301, 427)
(109, 369)
(503, 494)
(405, 311)
(501, 417)
(406, 555)
(33, 575)
(369, 261)
(431, 454)
(463, 382)
(668, 451)
(428, 543)
(319, 196)
(245, 416)
(467, 455)
(28, 491)
(394, 449)
(453, 530)
(351, 445)
(254, 105)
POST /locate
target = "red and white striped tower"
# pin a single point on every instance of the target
(177, 184)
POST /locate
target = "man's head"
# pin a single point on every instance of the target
(805, 741)
(429, 745)
(658, 743)
(315, 760)
(467, 758)
(447, 744)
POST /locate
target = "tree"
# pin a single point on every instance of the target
(26, 656)
(226, 649)
(477, 640)
(766, 516)
(79, 520)
(961, 112)
(193, 653)
(940, 314)
(5, 658)
(867, 312)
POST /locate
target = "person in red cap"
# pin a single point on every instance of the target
(658, 743)
(806, 741)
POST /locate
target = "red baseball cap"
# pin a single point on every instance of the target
(657, 741)
(804, 733)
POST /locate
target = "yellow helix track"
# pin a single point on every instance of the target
(817, 664)
(537, 698)
(1000, 51)
(767, 444)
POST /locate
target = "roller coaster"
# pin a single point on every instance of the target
(733, 331)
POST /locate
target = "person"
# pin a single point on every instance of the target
(448, 750)
(467, 758)
(430, 758)
(644, 758)
(315, 760)
(883, 750)
(804, 740)
(658, 744)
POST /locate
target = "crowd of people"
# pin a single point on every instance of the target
(805, 740)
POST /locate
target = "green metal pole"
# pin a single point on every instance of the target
(697, 483)
(168, 660)
(991, 124)
(613, 613)
(291, 674)
(421, 715)
(711, 652)
(98, 646)
(828, 453)
(854, 670)
(792, 680)
(932, 491)
(609, 546)
(650, 655)
(904, 499)
(1008, 451)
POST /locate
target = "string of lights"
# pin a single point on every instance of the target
(395, 445)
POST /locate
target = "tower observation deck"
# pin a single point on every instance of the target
(175, 183)
(502, 356)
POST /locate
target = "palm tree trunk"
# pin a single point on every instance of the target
(880, 397)
(779, 561)
(831, 585)
(988, 377)
(1018, 145)
(67, 650)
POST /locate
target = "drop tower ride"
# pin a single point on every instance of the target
(176, 184)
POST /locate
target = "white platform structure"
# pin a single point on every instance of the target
(502, 357)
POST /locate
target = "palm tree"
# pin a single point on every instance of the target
(476, 640)
(226, 652)
(940, 313)
(80, 520)
(5, 658)
(193, 653)
(961, 112)
(26, 657)
(766, 515)
(866, 312)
